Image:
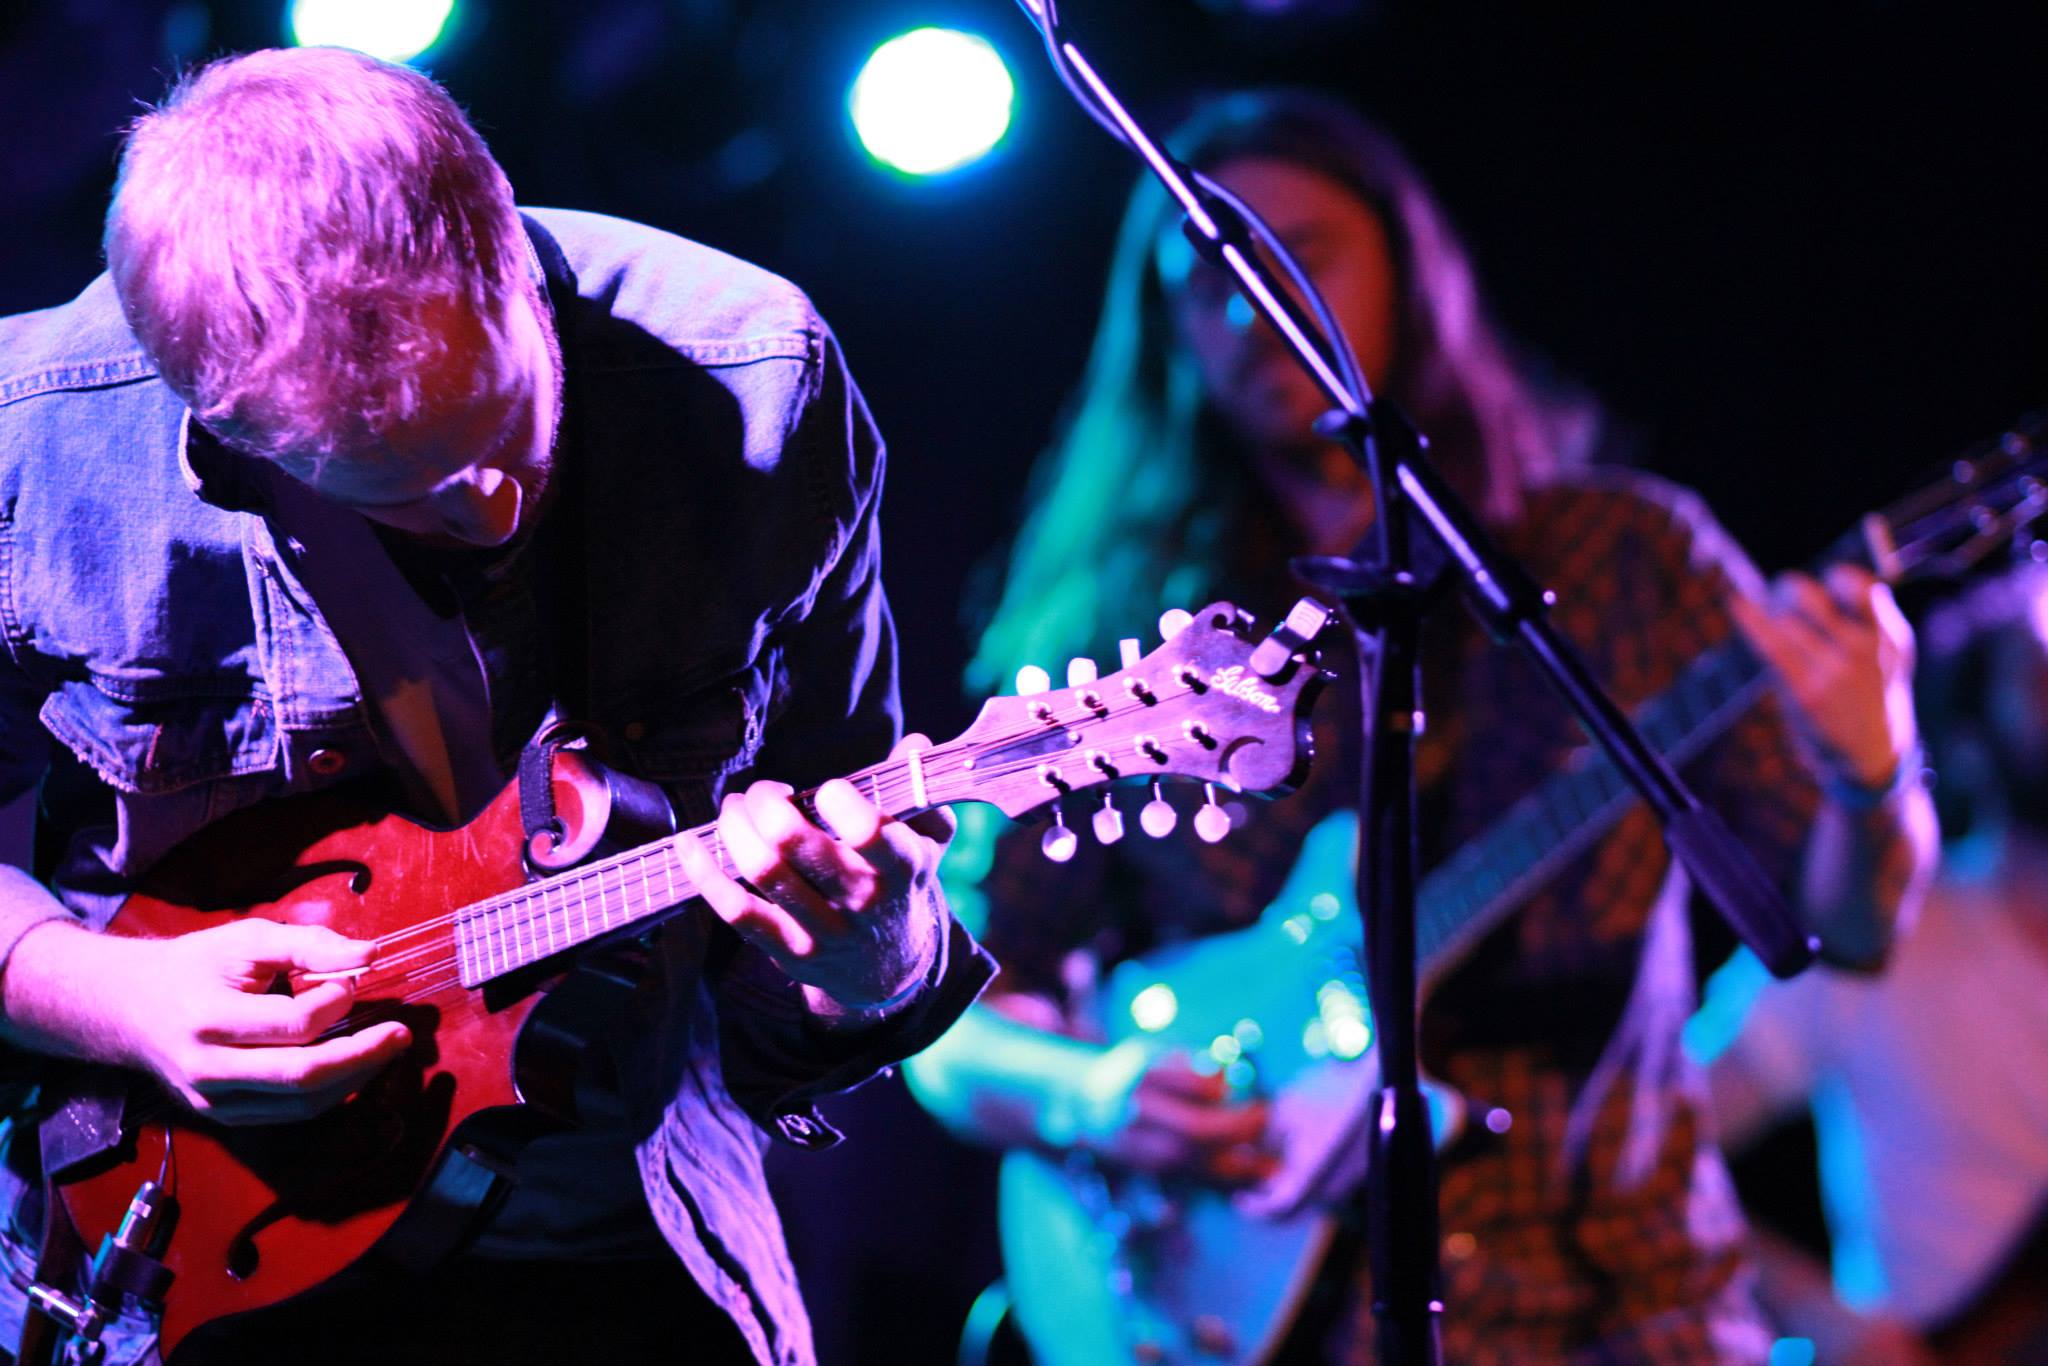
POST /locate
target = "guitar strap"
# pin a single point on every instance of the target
(101, 1283)
(568, 570)
(471, 1186)
(58, 1260)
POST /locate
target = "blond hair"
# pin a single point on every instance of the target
(290, 234)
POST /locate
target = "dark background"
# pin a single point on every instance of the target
(1796, 248)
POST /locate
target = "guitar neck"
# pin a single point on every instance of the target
(1974, 508)
(1475, 889)
(1478, 886)
(646, 884)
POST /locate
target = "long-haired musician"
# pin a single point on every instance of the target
(1586, 1213)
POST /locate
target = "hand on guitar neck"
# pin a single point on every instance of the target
(1842, 653)
(855, 918)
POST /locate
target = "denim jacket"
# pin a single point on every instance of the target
(165, 667)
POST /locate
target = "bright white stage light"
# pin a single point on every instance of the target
(932, 101)
(396, 30)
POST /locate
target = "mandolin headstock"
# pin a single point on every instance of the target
(1213, 704)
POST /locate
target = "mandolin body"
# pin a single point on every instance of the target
(266, 1212)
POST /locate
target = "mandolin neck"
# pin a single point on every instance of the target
(638, 888)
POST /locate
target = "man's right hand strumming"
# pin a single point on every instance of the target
(199, 1013)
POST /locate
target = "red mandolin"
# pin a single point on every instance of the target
(467, 938)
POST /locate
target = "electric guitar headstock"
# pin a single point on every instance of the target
(1984, 502)
(1212, 704)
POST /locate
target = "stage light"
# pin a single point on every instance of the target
(932, 101)
(396, 30)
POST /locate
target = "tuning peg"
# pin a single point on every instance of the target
(1081, 671)
(1109, 822)
(1032, 680)
(1173, 621)
(1128, 654)
(1059, 843)
(1211, 822)
(1158, 818)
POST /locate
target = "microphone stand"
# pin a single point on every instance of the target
(1385, 607)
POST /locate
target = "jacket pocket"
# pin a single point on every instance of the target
(162, 735)
(695, 744)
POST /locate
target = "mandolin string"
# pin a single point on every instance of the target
(518, 896)
(431, 967)
(573, 894)
(520, 912)
(525, 909)
(889, 784)
(524, 914)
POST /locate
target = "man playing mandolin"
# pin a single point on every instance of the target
(348, 473)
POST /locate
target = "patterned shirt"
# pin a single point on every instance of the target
(1600, 1226)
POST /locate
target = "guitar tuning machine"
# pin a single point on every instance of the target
(1031, 682)
(1158, 818)
(1082, 674)
(1108, 822)
(1059, 843)
(1212, 823)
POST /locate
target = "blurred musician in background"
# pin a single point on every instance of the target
(1590, 1218)
(1928, 1084)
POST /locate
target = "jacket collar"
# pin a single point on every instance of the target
(222, 477)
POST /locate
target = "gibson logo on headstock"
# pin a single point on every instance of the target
(1234, 682)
